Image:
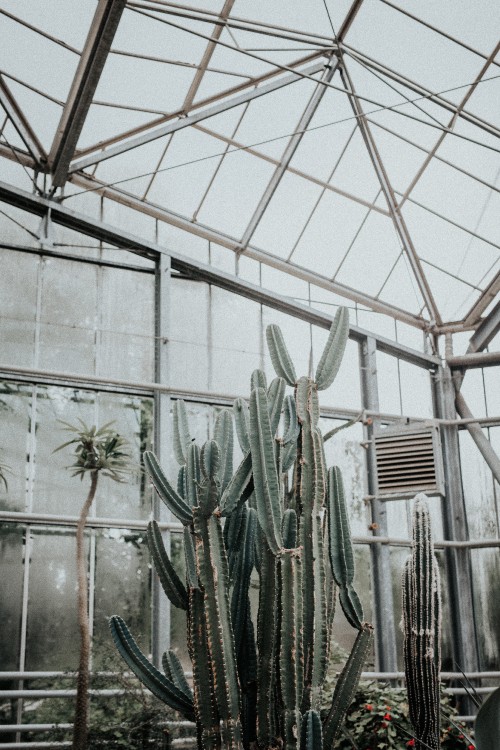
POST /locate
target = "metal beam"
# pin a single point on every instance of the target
(458, 569)
(397, 217)
(484, 301)
(382, 599)
(21, 124)
(203, 272)
(185, 122)
(207, 55)
(426, 93)
(219, 96)
(450, 125)
(289, 152)
(486, 331)
(88, 73)
(474, 359)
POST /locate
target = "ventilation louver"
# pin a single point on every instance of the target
(409, 461)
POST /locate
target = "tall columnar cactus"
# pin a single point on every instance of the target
(422, 629)
(257, 682)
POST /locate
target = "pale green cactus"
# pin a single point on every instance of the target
(282, 513)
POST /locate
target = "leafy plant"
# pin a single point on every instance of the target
(487, 725)
(96, 452)
(378, 719)
(285, 516)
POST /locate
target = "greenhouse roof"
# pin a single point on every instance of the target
(354, 145)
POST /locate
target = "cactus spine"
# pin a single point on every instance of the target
(281, 514)
(422, 629)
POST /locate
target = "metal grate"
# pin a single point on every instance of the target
(408, 462)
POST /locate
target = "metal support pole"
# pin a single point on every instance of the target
(464, 643)
(383, 605)
(160, 626)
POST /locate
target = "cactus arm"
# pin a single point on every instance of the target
(290, 656)
(181, 436)
(193, 474)
(166, 492)
(258, 379)
(210, 459)
(207, 716)
(174, 671)
(213, 574)
(334, 350)
(289, 526)
(275, 398)
(340, 548)
(223, 436)
(181, 482)
(170, 581)
(311, 731)
(291, 426)
(346, 686)
(266, 637)
(152, 678)
(241, 419)
(234, 494)
(267, 491)
(240, 603)
(190, 558)
(280, 357)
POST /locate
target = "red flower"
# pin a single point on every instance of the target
(369, 707)
(387, 717)
(383, 724)
(471, 747)
(411, 743)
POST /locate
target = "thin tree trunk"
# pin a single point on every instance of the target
(82, 701)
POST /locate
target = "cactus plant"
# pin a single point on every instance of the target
(422, 630)
(279, 513)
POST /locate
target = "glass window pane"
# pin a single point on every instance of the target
(68, 317)
(122, 587)
(52, 634)
(55, 490)
(132, 417)
(11, 594)
(15, 410)
(18, 299)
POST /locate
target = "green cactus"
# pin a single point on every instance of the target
(421, 628)
(283, 515)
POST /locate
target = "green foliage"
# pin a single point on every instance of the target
(282, 514)
(378, 718)
(100, 450)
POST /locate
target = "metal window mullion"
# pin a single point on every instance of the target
(383, 605)
(160, 620)
(24, 619)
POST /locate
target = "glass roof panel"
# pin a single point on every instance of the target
(43, 114)
(383, 33)
(372, 255)
(329, 233)
(69, 22)
(235, 193)
(54, 66)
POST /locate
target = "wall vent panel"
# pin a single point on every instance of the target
(408, 461)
